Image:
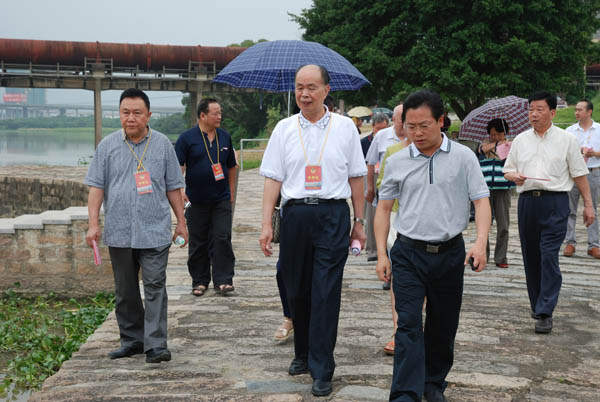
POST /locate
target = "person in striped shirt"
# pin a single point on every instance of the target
(500, 188)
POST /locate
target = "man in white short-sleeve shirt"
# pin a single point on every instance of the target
(587, 132)
(315, 160)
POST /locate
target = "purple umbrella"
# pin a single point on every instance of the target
(511, 108)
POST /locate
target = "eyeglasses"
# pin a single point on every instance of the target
(420, 127)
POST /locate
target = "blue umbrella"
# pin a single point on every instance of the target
(271, 66)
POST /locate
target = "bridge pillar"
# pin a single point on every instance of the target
(97, 112)
(195, 97)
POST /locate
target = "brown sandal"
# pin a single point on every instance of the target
(198, 290)
(223, 289)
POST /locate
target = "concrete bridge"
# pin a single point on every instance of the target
(100, 66)
(223, 348)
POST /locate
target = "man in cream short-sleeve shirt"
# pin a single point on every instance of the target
(544, 162)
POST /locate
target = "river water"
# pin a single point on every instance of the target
(27, 148)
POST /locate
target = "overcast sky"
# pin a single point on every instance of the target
(173, 22)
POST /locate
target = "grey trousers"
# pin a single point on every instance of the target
(136, 324)
(500, 203)
(592, 230)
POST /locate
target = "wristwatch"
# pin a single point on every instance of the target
(362, 221)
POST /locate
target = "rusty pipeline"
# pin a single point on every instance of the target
(147, 57)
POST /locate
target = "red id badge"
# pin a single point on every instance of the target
(312, 177)
(143, 182)
(218, 171)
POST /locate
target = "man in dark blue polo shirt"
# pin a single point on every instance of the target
(207, 158)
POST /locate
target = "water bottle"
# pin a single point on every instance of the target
(355, 247)
(179, 241)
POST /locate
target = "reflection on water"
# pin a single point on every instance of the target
(14, 395)
(44, 149)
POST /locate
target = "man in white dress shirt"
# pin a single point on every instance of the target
(386, 137)
(544, 162)
(314, 159)
(587, 132)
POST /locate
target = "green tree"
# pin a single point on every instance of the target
(467, 51)
(247, 43)
(244, 113)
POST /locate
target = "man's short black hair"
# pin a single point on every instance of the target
(424, 97)
(204, 104)
(135, 93)
(324, 73)
(545, 96)
(588, 104)
(500, 125)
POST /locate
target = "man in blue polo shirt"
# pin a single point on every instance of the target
(207, 158)
(433, 180)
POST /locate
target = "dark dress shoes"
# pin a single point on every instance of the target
(298, 366)
(127, 350)
(543, 325)
(435, 396)
(158, 355)
(321, 387)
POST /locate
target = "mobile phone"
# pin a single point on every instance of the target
(471, 261)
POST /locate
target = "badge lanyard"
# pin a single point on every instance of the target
(313, 173)
(141, 175)
(216, 167)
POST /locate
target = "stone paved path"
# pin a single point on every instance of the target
(223, 349)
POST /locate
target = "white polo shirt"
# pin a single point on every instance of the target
(589, 138)
(383, 139)
(284, 159)
(555, 156)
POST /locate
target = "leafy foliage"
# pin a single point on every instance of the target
(247, 43)
(171, 125)
(43, 332)
(245, 115)
(467, 51)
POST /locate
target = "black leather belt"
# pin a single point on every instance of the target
(540, 193)
(431, 247)
(313, 201)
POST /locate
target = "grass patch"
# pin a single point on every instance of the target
(253, 157)
(251, 164)
(38, 334)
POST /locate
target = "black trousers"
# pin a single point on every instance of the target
(313, 252)
(422, 360)
(542, 228)
(210, 225)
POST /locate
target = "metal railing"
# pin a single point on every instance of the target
(242, 141)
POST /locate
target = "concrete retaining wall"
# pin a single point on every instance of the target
(47, 252)
(22, 195)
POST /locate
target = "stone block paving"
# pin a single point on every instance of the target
(223, 347)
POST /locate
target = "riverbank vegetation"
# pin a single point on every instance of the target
(37, 334)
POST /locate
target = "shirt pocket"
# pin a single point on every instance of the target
(555, 166)
(156, 167)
